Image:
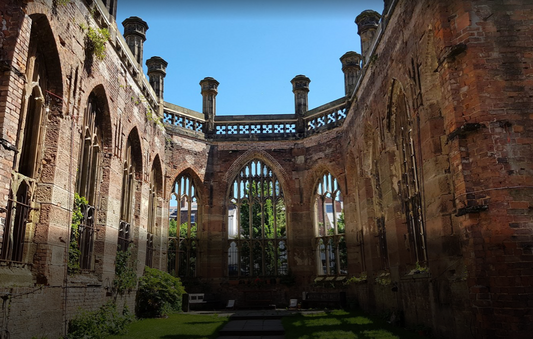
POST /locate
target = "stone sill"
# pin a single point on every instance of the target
(85, 279)
(16, 275)
(416, 276)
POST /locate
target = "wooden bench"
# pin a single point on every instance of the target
(203, 302)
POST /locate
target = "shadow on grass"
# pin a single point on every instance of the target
(342, 325)
(176, 326)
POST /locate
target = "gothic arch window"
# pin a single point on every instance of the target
(257, 228)
(409, 187)
(82, 235)
(31, 130)
(330, 241)
(127, 199)
(183, 229)
(153, 212)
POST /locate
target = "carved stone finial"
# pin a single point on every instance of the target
(135, 34)
(351, 67)
(368, 19)
(157, 70)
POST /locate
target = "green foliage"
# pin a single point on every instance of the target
(356, 280)
(74, 253)
(99, 324)
(61, 2)
(262, 217)
(383, 279)
(269, 213)
(125, 276)
(173, 228)
(421, 268)
(96, 39)
(158, 293)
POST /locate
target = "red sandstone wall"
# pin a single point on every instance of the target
(479, 259)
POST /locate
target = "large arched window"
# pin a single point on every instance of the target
(409, 182)
(83, 228)
(183, 228)
(153, 207)
(41, 78)
(29, 145)
(126, 210)
(257, 228)
(332, 258)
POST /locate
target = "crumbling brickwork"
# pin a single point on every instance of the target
(431, 149)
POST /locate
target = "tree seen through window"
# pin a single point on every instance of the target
(257, 228)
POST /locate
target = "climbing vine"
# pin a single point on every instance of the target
(125, 276)
(74, 253)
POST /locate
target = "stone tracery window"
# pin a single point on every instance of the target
(330, 240)
(155, 189)
(409, 186)
(126, 210)
(82, 236)
(257, 229)
(183, 229)
(410, 193)
(27, 162)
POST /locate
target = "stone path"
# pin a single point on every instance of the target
(254, 325)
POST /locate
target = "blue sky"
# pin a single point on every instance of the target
(253, 48)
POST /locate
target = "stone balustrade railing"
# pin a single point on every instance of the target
(255, 127)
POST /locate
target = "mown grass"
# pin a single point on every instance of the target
(176, 326)
(342, 325)
(336, 324)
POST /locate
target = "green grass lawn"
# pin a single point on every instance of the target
(336, 324)
(341, 325)
(176, 326)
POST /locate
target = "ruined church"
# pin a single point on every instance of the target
(411, 195)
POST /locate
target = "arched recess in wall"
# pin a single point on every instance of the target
(257, 224)
(381, 245)
(155, 198)
(185, 212)
(400, 127)
(131, 190)
(329, 227)
(93, 138)
(40, 102)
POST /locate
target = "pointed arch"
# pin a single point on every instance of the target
(185, 219)
(270, 161)
(98, 97)
(134, 150)
(95, 138)
(400, 125)
(257, 226)
(154, 209)
(40, 101)
(131, 193)
(329, 224)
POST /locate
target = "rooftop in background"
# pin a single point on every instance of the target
(253, 49)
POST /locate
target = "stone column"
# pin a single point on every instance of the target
(157, 70)
(300, 88)
(209, 104)
(351, 67)
(135, 34)
(367, 23)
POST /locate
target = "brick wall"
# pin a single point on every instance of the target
(459, 70)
